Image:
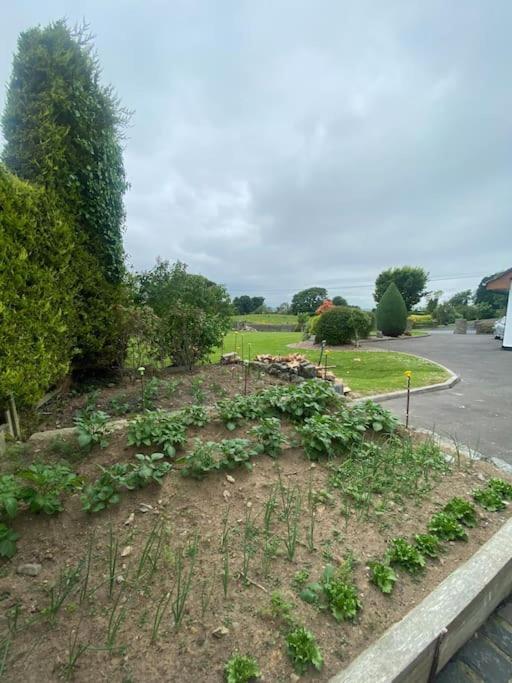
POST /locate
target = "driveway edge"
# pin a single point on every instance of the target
(447, 384)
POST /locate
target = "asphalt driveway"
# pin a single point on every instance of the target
(477, 411)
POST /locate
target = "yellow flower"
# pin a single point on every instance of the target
(408, 373)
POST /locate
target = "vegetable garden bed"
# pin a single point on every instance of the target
(289, 528)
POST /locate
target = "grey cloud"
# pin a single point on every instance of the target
(281, 145)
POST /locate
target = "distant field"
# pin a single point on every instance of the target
(267, 319)
(366, 372)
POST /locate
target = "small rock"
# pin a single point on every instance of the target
(230, 479)
(120, 579)
(130, 519)
(220, 632)
(29, 569)
(294, 678)
(226, 494)
(145, 507)
(127, 550)
(480, 476)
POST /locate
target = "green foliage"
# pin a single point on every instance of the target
(502, 488)
(281, 608)
(303, 650)
(447, 528)
(92, 429)
(194, 415)
(235, 452)
(497, 301)
(427, 544)
(489, 499)
(374, 417)
(37, 316)
(194, 312)
(391, 314)
(201, 460)
(106, 490)
(335, 592)
(158, 427)
(241, 669)
(383, 576)
(247, 304)
(269, 436)
(402, 553)
(300, 401)
(410, 281)
(462, 510)
(339, 301)
(46, 483)
(342, 325)
(10, 495)
(308, 300)
(8, 539)
(63, 131)
(330, 435)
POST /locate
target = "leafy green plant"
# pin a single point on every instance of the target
(194, 415)
(375, 417)
(446, 527)
(8, 539)
(329, 435)
(196, 389)
(148, 469)
(119, 405)
(158, 427)
(269, 437)
(201, 461)
(462, 510)
(383, 576)
(501, 487)
(150, 392)
(104, 492)
(241, 669)
(402, 553)
(300, 579)
(235, 452)
(427, 544)
(92, 429)
(47, 482)
(300, 401)
(335, 592)
(303, 650)
(10, 495)
(489, 499)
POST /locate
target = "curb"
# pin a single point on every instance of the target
(430, 388)
(419, 645)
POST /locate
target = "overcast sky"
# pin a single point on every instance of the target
(280, 144)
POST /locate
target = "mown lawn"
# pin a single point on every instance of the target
(366, 372)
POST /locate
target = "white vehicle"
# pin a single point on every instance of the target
(499, 328)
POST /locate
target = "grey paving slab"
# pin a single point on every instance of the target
(456, 672)
(490, 663)
(500, 633)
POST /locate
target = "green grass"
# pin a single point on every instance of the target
(267, 318)
(366, 372)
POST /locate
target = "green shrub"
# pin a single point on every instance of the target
(342, 325)
(391, 312)
(420, 320)
(312, 324)
(37, 318)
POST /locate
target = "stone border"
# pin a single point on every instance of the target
(419, 645)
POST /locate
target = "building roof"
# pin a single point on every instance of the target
(500, 283)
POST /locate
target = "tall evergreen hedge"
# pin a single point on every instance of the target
(391, 314)
(37, 318)
(63, 131)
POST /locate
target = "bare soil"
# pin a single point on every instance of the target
(191, 653)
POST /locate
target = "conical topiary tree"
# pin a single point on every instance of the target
(391, 312)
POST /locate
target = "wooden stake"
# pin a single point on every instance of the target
(408, 402)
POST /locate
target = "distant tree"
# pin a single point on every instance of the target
(496, 300)
(246, 304)
(339, 301)
(308, 300)
(433, 300)
(410, 282)
(391, 312)
(283, 308)
(257, 304)
(460, 298)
